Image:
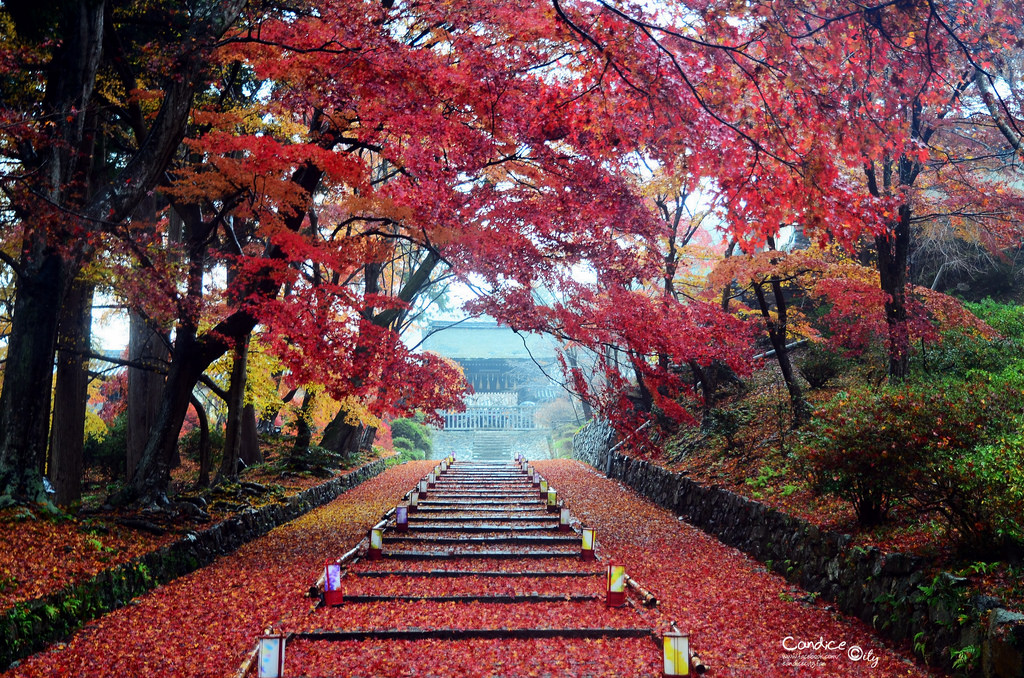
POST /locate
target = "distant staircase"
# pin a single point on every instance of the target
(492, 446)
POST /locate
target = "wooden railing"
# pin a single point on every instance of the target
(513, 417)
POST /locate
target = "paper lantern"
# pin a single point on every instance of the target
(677, 654)
(552, 500)
(402, 518)
(616, 585)
(431, 480)
(332, 584)
(271, 656)
(423, 489)
(543, 489)
(414, 500)
(536, 479)
(376, 543)
(589, 541)
(563, 519)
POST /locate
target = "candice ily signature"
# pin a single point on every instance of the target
(802, 651)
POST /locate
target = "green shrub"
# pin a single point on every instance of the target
(724, 422)
(1006, 319)
(110, 451)
(416, 434)
(405, 450)
(961, 352)
(188, 445)
(935, 446)
(820, 365)
(985, 495)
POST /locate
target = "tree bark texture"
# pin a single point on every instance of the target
(52, 246)
(71, 394)
(249, 446)
(893, 251)
(777, 335)
(236, 402)
(145, 387)
(44, 271)
(303, 431)
(204, 442)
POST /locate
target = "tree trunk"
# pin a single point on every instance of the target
(152, 474)
(893, 250)
(28, 375)
(303, 431)
(236, 403)
(338, 433)
(777, 335)
(145, 347)
(706, 378)
(369, 434)
(204, 442)
(249, 447)
(71, 394)
(342, 437)
(145, 388)
(44, 274)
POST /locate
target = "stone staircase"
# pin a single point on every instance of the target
(492, 446)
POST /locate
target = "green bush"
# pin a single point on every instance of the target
(962, 352)
(985, 494)
(820, 365)
(939, 446)
(416, 435)
(189, 444)
(405, 450)
(1006, 319)
(110, 451)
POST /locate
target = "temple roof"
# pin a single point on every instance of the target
(487, 339)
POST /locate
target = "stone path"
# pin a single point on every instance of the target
(740, 617)
(484, 565)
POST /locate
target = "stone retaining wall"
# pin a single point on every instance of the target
(30, 626)
(894, 592)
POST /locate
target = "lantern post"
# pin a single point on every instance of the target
(376, 544)
(677, 654)
(616, 585)
(332, 584)
(589, 542)
(563, 519)
(271, 656)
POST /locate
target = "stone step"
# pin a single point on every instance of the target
(502, 539)
(483, 598)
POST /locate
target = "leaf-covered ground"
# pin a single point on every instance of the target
(206, 623)
(40, 554)
(738, 614)
(760, 465)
